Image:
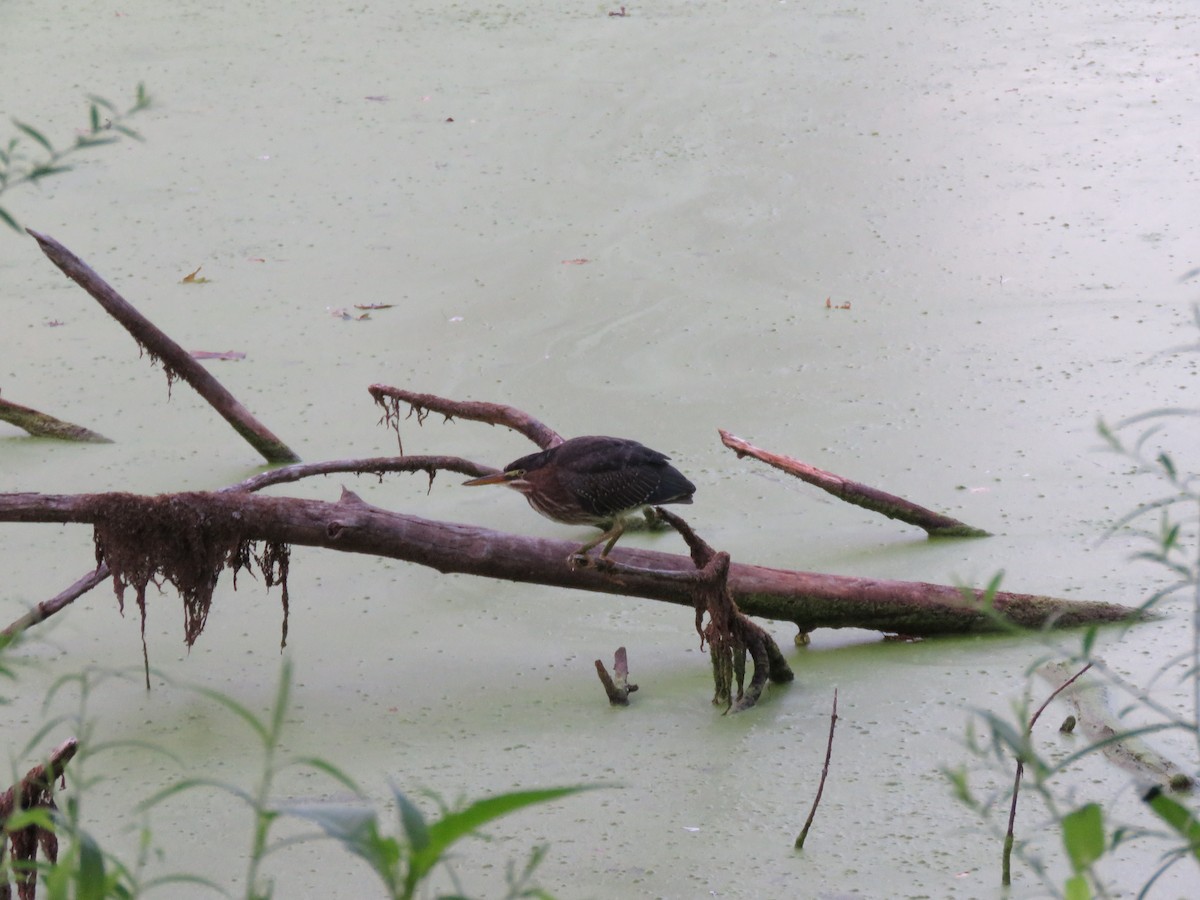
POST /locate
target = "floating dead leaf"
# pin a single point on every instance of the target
(576, 262)
(377, 98)
(215, 354)
(340, 312)
(193, 279)
(829, 304)
(254, 259)
(374, 305)
(54, 323)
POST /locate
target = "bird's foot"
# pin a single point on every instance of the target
(581, 560)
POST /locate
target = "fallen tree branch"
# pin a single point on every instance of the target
(809, 600)
(40, 424)
(421, 405)
(176, 362)
(934, 524)
(284, 475)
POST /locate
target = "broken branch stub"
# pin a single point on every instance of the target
(34, 791)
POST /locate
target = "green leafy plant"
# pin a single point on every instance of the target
(83, 869)
(403, 862)
(1169, 528)
(106, 125)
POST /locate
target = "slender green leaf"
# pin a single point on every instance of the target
(94, 117)
(1077, 888)
(357, 830)
(35, 134)
(1083, 836)
(329, 769)
(97, 100)
(47, 169)
(416, 831)
(91, 881)
(181, 879)
(84, 141)
(127, 131)
(1178, 816)
(282, 695)
(237, 709)
(1089, 641)
(188, 784)
(9, 221)
(456, 825)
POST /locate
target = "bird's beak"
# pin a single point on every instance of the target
(498, 478)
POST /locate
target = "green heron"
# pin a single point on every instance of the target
(594, 480)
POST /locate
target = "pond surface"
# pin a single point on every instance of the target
(921, 245)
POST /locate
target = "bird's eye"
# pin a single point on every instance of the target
(517, 473)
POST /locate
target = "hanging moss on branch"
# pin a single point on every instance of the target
(185, 539)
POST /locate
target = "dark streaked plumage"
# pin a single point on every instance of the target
(595, 480)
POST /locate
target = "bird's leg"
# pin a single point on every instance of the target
(613, 535)
(580, 557)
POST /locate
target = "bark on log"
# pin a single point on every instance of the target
(809, 600)
(176, 361)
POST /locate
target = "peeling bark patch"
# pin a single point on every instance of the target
(184, 539)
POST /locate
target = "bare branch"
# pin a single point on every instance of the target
(934, 524)
(176, 362)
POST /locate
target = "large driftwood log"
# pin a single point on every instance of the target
(809, 600)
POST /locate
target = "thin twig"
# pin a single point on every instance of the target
(1006, 867)
(833, 717)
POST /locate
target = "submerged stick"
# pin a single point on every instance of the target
(40, 424)
(833, 717)
(176, 362)
(618, 688)
(1006, 860)
(934, 524)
